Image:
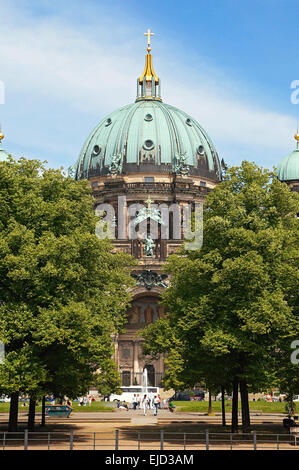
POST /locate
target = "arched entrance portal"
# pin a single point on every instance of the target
(144, 310)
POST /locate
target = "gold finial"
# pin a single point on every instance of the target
(296, 136)
(1, 136)
(149, 34)
(148, 73)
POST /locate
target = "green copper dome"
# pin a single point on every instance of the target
(148, 136)
(288, 168)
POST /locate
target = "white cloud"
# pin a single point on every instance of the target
(52, 61)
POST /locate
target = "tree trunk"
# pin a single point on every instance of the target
(223, 405)
(210, 403)
(31, 415)
(43, 423)
(245, 406)
(235, 405)
(13, 412)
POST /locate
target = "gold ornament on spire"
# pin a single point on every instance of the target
(296, 136)
(1, 136)
(148, 73)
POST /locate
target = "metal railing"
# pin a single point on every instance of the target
(133, 440)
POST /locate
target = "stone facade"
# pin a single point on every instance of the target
(150, 281)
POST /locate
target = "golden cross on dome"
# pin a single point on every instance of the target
(149, 34)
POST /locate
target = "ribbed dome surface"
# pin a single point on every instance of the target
(148, 136)
(288, 168)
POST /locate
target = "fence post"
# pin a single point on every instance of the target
(139, 437)
(49, 440)
(72, 440)
(231, 440)
(184, 441)
(26, 439)
(277, 441)
(162, 440)
(116, 439)
(207, 440)
(4, 440)
(254, 440)
(94, 441)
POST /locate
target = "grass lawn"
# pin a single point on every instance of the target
(202, 406)
(95, 406)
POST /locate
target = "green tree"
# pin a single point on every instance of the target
(233, 300)
(63, 293)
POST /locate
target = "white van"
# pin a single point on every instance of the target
(129, 392)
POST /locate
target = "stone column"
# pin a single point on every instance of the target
(116, 351)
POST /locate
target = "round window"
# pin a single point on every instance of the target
(148, 145)
(96, 150)
(108, 122)
(201, 150)
(148, 117)
(189, 122)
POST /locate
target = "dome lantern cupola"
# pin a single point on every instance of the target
(148, 84)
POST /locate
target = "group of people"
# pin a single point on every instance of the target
(146, 403)
(84, 400)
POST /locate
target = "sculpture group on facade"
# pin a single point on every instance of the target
(180, 165)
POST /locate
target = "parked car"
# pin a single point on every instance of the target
(296, 398)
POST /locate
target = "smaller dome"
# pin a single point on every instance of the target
(288, 167)
(3, 154)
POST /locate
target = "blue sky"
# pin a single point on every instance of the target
(229, 63)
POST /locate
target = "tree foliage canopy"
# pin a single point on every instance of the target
(63, 293)
(233, 304)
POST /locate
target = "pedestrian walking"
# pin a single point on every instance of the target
(138, 401)
(145, 405)
(156, 402)
(134, 402)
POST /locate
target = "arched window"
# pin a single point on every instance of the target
(126, 378)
